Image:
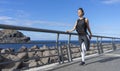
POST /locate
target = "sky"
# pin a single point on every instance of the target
(103, 15)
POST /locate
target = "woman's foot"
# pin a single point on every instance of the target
(82, 63)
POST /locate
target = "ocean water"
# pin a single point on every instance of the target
(48, 43)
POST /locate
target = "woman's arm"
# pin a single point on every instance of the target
(88, 27)
(73, 28)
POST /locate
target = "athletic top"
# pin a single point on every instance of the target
(81, 27)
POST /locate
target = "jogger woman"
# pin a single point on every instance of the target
(81, 26)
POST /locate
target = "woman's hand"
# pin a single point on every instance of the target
(68, 31)
(90, 36)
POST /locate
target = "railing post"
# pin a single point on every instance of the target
(69, 49)
(101, 48)
(113, 44)
(57, 42)
(61, 55)
(98, 46)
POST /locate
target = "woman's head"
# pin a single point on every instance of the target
(80, 12)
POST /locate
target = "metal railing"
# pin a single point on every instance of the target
(59, 49)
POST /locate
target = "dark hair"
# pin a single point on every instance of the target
(81, 10)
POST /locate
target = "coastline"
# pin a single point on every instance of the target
(25, 53)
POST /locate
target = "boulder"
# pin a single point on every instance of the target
(32, 63)
(39, 53)
(33, 51)
(11, 67)
(45, 60)
(44, 47)
(4, 51)
(22, 49)
(75, 50)
(12, 36)
(75, 55)
(22, 55)
(31, 54)
(40, 62)
(35, 47)
(54, 58)
(14, 65)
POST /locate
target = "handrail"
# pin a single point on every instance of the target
(44, 30)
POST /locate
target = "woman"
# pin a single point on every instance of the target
(81, 26)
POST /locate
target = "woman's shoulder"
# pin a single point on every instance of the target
(86, 20)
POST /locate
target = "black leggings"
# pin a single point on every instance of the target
(85, 39)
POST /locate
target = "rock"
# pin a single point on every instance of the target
(14, 65)
(4, 51)
(64, 47)
(32, 63)
(44, 47)
(75, 50)
(39, 53)
(24, 65)
(22, 55)
(22, 49)
(1, 33)
(75, 55)
(11, 67)
(90, 52)
(40, 62)
(2, 59)
(64, 51)
(54, 58)
(45, 60)
(34, 47)
(10, 49)
(65, 57)
(12, 36)
(31, 54)
(12, 57)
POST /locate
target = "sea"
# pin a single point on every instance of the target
(41, 43)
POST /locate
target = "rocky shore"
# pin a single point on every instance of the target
(31, 53)
(12, 36)
(31, 57)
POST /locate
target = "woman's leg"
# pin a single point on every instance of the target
(83, 51)
(84, 47)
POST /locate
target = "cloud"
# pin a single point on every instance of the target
(103, 30)
(5, 18)
(47, 23)
(8, 20)
(18, 13)
(20, 18)
(19, 22)
(110, 1)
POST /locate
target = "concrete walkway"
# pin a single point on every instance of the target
(105, 62)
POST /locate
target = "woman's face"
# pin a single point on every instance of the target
(80, 13)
